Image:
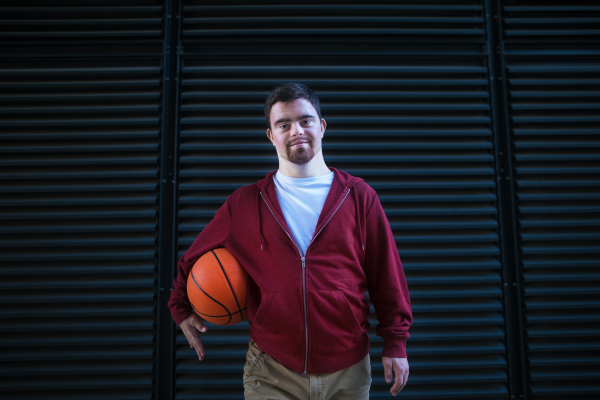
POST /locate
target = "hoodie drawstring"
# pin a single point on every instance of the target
(259, 222)
(358, 225)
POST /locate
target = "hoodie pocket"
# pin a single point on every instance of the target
(334, 327)
(279, 320)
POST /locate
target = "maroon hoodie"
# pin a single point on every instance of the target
(309, 313)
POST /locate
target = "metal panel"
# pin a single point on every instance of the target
(554, 87)
(67, 27)
(405, 93)
(78, 174)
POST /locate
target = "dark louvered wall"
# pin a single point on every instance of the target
(553, 80)
(79, 189)
(405, 92)
(80, 113)
(476, 122)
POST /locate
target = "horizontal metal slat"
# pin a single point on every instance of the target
(79, 96)
(82, 215)
(61, 355)
(90, 269)
(86, 122)
(104, 340)
(73, 370)
(331, 31)
(78, 242)
(90, 148)
(61, 313)
(366, 145)
(140, 187)
(346, 120)
(71, 298)
(83, 21)
(367, 171)
(260, 96)
(78, 71)
(98, 283)
(62, 10)
(148, 228)
(72, 110)
(97, 325)
(218, 20)
(338, 69)
(339, 159)
(80, 135)
(257, 108)
(73, 256)
(245, 8)
(334, 82)
(403, 185)
(113, 382)
(22, 161)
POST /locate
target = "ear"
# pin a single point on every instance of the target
(323, 127)
(270, 136)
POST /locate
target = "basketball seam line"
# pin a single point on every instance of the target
(230, 287)
(210, 297)
(213, 316)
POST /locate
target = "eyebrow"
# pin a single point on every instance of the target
(289, 120)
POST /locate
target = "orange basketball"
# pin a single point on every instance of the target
(216, 288)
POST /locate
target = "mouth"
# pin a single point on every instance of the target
(298, 143)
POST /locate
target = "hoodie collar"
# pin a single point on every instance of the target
(343, 178)
(341, 185)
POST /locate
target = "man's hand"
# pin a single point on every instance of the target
(190, 327)
(395, 367)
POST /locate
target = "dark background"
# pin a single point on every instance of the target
(125, 124)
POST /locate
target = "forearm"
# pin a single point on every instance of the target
(387, 284)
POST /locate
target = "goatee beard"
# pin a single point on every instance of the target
(300, 155)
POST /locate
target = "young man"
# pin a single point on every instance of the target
(312, 240)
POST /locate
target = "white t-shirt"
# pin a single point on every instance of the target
(301, 200)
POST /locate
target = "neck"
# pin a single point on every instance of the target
(315, 167)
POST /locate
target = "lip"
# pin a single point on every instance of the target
(299, 143)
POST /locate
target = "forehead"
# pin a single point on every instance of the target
(293, 108)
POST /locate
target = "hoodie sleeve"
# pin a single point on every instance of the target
(212, 237)
(386, 283)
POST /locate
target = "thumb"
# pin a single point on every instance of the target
(199, 325)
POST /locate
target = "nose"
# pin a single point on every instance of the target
(297, 129)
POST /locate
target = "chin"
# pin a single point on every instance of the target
(300, 157)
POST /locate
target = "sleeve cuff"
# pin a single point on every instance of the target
(394, 347)
(180, 315)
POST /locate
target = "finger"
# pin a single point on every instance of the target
(189, 334)
(196, 344)
(190, 341)
(387, 371)
(404, 379)
(397, 382)
(199, 350)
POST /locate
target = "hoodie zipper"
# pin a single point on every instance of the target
(304, 267)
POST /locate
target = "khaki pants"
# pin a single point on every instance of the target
(265, 378)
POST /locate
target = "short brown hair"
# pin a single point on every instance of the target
(290, 92)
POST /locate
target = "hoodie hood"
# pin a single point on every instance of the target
(341, 177)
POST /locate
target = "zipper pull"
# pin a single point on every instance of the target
(303, 259)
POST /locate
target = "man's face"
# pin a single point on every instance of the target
(296, 131)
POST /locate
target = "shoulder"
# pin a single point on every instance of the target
(243, 194)
(364, 192)
(355, 182)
